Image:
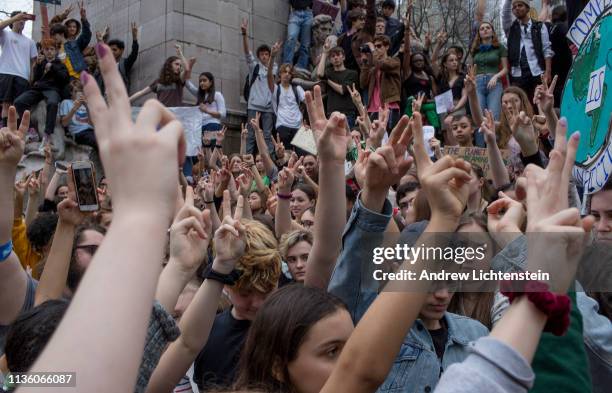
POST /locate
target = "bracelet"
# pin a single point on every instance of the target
(219, 146)
(555, 307)
(283, 196)
(5, 250)
(207, 146)
(209, 202)
(227, 279)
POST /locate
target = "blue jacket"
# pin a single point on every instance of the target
(74, 49)
(417, 367)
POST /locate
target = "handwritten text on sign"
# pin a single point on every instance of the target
(595, 89)
(583, 23)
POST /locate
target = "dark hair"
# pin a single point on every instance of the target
(275, 336)
(265, 219)
(58, 28)
(336, 50)
(306, 189)
(118, 43)
(383, 39)
(167, 75)
(388, 4)
(207, 97)
(559, 14)
(350, 193)
(13, 14)
(75, 272)
(263, 48)
(353, 4)
(422, 210)
(30, 332)
(458, 117)
(381, 19)
(352, 16)
(444, 75)
(404, 189)
(78, 24)
(41, 230)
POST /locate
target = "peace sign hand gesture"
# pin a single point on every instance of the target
(12, 139)
(230, 239)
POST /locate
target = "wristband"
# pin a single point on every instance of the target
(227, 279)
(5, 250)
(207, 146)
(555, 307)
(219, 146)
(283, 196)
(209, 202)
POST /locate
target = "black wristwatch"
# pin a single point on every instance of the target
(227, 279)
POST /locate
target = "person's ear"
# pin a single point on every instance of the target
(277, 370)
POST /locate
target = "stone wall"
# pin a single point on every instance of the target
(208, 29)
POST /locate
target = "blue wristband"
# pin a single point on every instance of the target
(5, 250)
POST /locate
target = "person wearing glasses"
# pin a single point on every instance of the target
(380, 75)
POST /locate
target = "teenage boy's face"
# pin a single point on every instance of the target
(285, 75)
(387, 11)
(246, 304)
(59, 38)
(462, 130)
(50, 52)
(436, 304)
(601, 209)
(520, 10)
(337, 59)
(117, 52)
(264, 57)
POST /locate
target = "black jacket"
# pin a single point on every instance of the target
(56, 78)
(514, 43)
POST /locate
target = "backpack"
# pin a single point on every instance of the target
(295, 94)
(248, 83)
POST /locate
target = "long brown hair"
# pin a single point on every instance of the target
(478, 41)
(167, 75)
(279, 329)
(504, 132)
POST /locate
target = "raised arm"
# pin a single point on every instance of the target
(441, 38)
(323, 58)
(481, 9)
(470, 88)
(244, 26)
(13, 278)
(282, 222)
(19, 17)
(131, 59)
(262, 147)
(140, 93)
(270, 66)
(121, 279)
(499, 172)
(332, 138)
(197, 321)
(406, 67)
(53, 278)
(34, 193)
(545, 100)
(506, 16)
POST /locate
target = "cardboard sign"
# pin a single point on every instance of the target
(475, 155)
(304, 139)
(324, 7)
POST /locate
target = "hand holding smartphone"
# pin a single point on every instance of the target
(85, 186)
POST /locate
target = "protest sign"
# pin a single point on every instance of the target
(304, 139)
(586, 103)
(475, 155)
(444, 102)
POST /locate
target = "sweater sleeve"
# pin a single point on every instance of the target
(492, 367)
(221, 105)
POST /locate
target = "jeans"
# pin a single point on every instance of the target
(489, 98)
(299, 25)
(528, 83)
(211, 128)
(87, 138)
(286, 135)
(31, 97)
(190, 161)
(266, 124)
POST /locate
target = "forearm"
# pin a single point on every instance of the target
(195, 326)
(32, 208)
(53, 279)
(336, 86)
(120, 285)
(7, 22)
(172, 281)
(330, 218)
(461, 103)
(499, 172)
(548, 64)
(475, 108)
(321, 65)
(214, 216)
(263, 152)
(551, 119)
(65, 120)
(270, 75)
(282, 222)
(245, 44)
(7, 177)
(242, 146)
(53, 185)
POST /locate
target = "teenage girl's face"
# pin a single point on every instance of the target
(462, 131)
(62, 193)
(205, 83)
(259, 163)
(176, 66)
(296, 260)
(512, 104)
(311, 166)
(299, 203)
(319, 352)
(486, 31)
(235, 164)
(255, 201)
(72, 29)
(451, 63)
(418, 63)
(308, 220)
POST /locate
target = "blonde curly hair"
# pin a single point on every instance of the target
(261, 263)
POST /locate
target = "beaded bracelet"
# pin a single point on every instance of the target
(283, 196)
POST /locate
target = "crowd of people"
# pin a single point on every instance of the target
(252, 270)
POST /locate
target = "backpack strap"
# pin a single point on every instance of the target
(254, 76)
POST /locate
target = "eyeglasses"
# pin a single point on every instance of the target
(89, 248)
(378, 46)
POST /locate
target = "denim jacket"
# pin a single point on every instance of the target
(75, 48)
(417, 367)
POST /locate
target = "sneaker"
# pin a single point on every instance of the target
(45, 140)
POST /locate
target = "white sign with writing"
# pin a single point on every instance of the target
(596, 83)
(583, 23)
(444, 102)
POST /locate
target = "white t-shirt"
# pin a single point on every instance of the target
(288, 112)
(17, 52)
(80, 121)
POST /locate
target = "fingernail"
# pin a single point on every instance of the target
(100, 50)
(84, 77)
(576, 135)
(563, 121)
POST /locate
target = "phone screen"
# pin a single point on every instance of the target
(85, 187)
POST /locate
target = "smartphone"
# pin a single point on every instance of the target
(31, 17)
(61, 166)
(85, 185)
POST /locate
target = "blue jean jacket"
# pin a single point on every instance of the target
(417, 367)
(74, 48)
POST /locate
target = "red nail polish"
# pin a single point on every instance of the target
(100, 50)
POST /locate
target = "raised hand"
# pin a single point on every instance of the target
(244, 132)
(488, 127)
(444, 182)
(355, 96)
(470, 79)
(244, 26)
(134, 31)
(12, 139)
(156, 135)
(275, 48)
(230, 240)
(279, 147)
(359, 169)
(417, 103)
(190, 234)
(524, 133)
(245, 180)
(34, 185)
(82, 10)
(285, 181)
(544, 96)
(505, 218)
